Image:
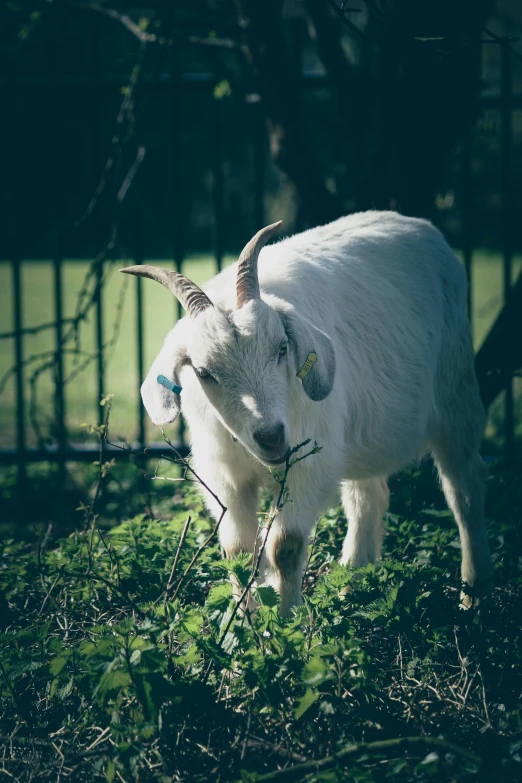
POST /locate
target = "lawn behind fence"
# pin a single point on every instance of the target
(160, 312)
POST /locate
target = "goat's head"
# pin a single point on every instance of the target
(245, 362)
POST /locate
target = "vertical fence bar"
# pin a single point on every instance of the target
(176, 187)
(16, 268)
(56, 184)
(217, 193)
(95, 136)
(467, 217)
(60, 401)
(176, 183)
(14, 101)
(100, 368)
(19, 357)
(138, 259)
(259, 166)
(99, 338)
(507, 138)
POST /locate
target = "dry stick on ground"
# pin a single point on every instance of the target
(400, 744)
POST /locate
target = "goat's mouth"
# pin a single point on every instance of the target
(272, 462)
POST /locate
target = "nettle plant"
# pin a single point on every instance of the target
(123, 654)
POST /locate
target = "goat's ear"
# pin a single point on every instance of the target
(161, 404)
(306, 339)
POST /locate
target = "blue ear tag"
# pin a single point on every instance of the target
(168, 384)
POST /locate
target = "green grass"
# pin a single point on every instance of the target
(159, 316)
(106, 675)
(160, 313)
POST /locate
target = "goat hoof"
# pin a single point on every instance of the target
(476, 596)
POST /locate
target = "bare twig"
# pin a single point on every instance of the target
(289, 463)
(170, 580)
(189, 469)
(200, 549)
(142, 35)
(342, 16)
(398, 745)
(502, 41)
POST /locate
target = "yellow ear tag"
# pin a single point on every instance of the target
(307, 366)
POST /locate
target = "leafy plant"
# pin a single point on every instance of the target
(123, 655)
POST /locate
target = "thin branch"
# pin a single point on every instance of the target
(151, 38)
(116, 139)
(325, 31)
(400, 744)
(33, 329)
(342, 16)
(502, 41)
(142, 35)
(266, 51)
(170, 580)
(203, 546)
(289, 463)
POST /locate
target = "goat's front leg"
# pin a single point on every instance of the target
(287, 544)
(239, 526)
(365, 503)
(285, 556)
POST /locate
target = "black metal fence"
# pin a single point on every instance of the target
(174, 94)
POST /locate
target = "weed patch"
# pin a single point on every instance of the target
(123, 658)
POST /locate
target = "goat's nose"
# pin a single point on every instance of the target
(272, 438)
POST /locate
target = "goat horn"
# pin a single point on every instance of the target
(247, 283)
(193, 299)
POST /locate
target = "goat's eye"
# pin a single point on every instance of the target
(203, 373)
(282, 350)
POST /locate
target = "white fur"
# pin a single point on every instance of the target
(381, 299)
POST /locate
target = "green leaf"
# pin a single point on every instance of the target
(54, 687)
(240, 566)
(314, 671)
(266, 596)
(111, 771)
(113, 680)
(219, 596)
(305, 703)
(222, 90)
(57, 664)
(63, 692)
(191, 622)
(156, 690)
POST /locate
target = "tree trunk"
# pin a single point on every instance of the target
(266, 50)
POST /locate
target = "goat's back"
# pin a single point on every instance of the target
(391, 295)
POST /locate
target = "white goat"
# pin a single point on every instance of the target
(380, 300)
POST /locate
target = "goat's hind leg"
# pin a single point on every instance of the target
(462, 475)
(365, 502)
